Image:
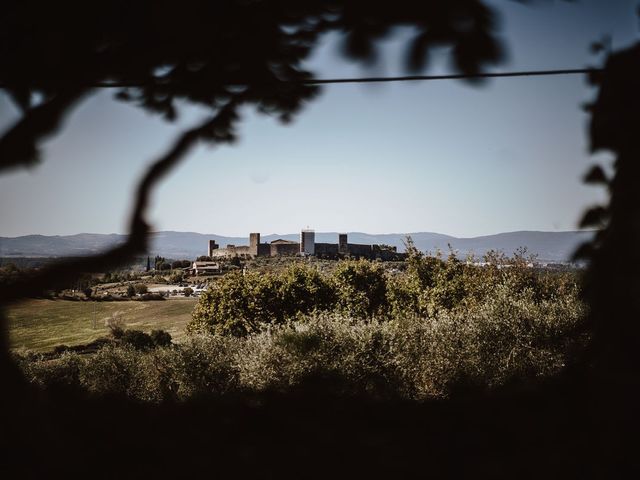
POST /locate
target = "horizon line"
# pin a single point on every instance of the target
(293, 233)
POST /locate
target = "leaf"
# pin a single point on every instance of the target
(596, 175)
(594, 217)
(21, 97)
(583, 252)
(417, 53)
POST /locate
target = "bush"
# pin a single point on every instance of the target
(203, 365)
(361, 288)
(122, 370)
(419, 333)
(140, 288)
(488, 343)
(137, 339)
(239, 304)
(152, 296)
(176, 277)
(63, 372)
(160, 338)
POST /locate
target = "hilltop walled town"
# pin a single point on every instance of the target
(307, 246)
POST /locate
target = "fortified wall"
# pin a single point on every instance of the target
(306, 247)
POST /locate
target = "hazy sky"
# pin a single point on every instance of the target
(426, 156)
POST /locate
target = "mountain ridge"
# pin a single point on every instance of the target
(548, 246)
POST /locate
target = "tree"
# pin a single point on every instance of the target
(180, 264)
(361, 287)
(187, 291)
(137, 339)
(140, 288)
(131, 291)
(612, 283)
(176, 277)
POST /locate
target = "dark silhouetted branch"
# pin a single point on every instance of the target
(218, 129)
(19, 145)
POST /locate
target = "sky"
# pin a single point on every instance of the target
(437, 156)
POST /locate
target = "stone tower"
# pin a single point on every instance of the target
(343, 246)
(254, 242)
(212, 246)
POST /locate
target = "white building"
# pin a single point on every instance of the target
(204, 268)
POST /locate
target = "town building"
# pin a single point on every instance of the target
(203, 268)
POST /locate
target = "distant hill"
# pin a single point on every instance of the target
(549, 246)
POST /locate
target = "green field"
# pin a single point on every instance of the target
(40, 325)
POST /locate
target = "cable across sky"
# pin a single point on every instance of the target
(411, 78)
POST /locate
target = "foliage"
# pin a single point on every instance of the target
(140, 288)
(241, 304)
(419, 333)
(507, 335)
(176, 277)
(188, 291)
(137, 339)
(304, 289)
(161, 338)
(361, 287)
(238, 304)
(180, 264)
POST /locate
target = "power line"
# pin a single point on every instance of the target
(406, 78)
(459, 76)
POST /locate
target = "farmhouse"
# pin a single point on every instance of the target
(204, 268)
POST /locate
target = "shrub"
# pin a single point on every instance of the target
(176, 277)
(152, 296)
(304, 289)
(487, 343)
(137, 339)
(161, 338)
(122, 370)
(59, 373)
(203, 365)
(418, 333)
(361, 288)
(239, 304)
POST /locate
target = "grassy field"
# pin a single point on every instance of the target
(40, 325)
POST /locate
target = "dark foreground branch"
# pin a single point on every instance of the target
(19, 144)
(217, 129)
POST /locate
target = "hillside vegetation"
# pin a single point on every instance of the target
(416, 333)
